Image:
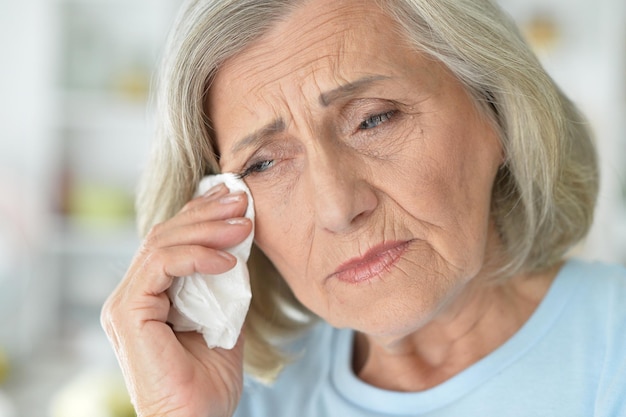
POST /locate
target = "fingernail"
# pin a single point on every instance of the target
(232, 198)
(238, 221)
(214, 190)
(225, 255)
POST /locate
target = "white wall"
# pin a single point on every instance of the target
(28, 54)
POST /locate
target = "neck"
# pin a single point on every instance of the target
(470, 328)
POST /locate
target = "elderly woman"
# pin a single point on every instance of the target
(417, 179)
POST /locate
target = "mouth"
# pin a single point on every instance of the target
(375, 262)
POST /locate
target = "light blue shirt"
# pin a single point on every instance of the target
(569, 359)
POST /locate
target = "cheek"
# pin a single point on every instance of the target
(283, 230)
(286, 239)
(451, 193)
(466, 156)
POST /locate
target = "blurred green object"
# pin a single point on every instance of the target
(4, 366)
(94, 393)
(100, 203)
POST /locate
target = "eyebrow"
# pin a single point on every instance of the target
(275, 126)
(325, 99)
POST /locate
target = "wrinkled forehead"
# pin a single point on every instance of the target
(328, 42)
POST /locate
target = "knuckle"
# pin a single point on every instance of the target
(188, 205)
(194, 212)
(107, 315)
(153, 238)
(157, 228)
(154, 256)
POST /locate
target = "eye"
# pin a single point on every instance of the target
(376, 120)
(256, 168)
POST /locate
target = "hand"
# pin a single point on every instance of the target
(168, 373)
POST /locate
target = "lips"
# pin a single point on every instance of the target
(376, 261)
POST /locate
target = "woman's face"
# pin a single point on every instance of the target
(370, 167)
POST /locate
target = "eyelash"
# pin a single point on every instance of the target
(376, 120)
(256, 168)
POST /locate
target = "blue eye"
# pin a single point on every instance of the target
(256, 168)
(376, 120)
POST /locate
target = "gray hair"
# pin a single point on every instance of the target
(544, 194)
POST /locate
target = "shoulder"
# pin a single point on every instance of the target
(597, 293)
(597, 281)
(600, 270)
(600, 302)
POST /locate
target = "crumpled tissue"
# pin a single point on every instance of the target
(216, 305)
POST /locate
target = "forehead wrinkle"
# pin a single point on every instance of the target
(258, 60)
(261, 65)
(276, 94)
(261, 54)
(290, 30)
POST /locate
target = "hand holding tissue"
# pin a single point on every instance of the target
(216, 305)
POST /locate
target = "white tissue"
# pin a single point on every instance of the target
(216, 305)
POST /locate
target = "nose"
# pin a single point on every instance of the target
(342, 196)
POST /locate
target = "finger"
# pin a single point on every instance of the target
(220, 234)
(219, 207)
(141, 297)
(157, 270)
(124, 313)
(216, 191)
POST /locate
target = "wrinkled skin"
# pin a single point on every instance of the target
(167, 373)
(372, 170)
(421, 172)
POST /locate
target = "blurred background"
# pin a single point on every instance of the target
(75, 128)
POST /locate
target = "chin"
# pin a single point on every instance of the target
(386, 317)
